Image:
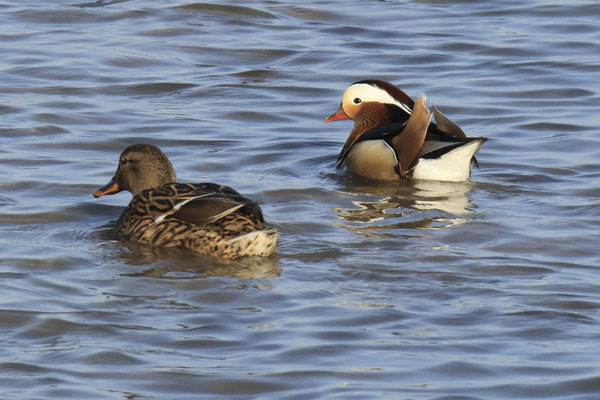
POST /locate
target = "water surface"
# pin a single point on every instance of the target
(476, 290)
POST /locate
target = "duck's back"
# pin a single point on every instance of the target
(205, 217)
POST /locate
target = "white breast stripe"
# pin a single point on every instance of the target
(404, 107)
(392, 150)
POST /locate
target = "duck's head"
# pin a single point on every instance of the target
(373, 102)
(141, 167)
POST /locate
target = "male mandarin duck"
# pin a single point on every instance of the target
(203, 217)
(393, 137)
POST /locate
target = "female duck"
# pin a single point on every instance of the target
(393, 137)
(203, 217)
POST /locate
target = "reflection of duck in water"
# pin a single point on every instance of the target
(203, 217)
(170, 263)
(393, 138)
(423, 204)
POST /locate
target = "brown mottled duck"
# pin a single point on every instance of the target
(203, 217)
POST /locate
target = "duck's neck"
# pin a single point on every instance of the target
(151, 181)
(371, 116)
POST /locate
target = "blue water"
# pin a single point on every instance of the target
(486, 289)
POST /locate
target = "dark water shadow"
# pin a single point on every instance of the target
(100, 3)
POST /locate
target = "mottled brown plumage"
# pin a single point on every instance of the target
(203, 217)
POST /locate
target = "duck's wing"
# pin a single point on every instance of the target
(436, 145)
(408, 144)
(446, 125)
(444, 136)
(202, 203)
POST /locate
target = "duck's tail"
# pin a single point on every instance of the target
(256, 243)
(452, 165)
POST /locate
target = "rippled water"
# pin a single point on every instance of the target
(483, 289)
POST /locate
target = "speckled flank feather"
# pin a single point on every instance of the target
(240, 230)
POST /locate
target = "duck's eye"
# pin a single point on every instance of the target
(357, 100)
(127, 161)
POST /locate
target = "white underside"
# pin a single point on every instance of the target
(375, 159)
(454, 166)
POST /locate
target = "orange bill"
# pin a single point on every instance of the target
(111, 187)
(339, 114)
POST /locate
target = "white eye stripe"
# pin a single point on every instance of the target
(367, 92)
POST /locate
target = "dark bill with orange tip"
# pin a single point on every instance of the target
(339, 114)
(111, 187)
